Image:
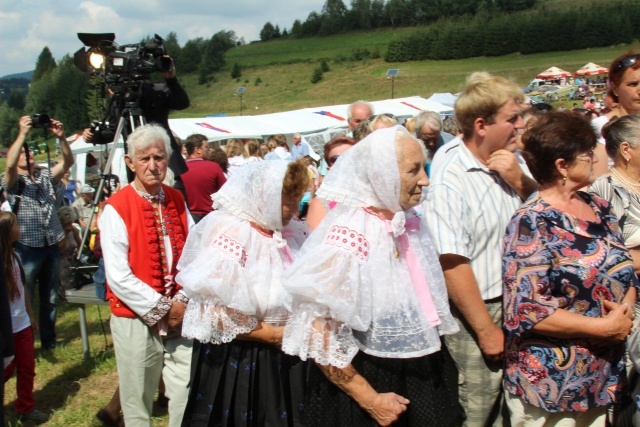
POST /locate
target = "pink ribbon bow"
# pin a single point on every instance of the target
(415, 269)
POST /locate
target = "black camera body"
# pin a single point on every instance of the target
(123, 64)
(41, 121)
(137, 60)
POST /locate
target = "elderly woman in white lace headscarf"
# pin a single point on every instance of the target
(368, 298)
(231, 269)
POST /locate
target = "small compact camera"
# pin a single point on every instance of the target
(41, 121)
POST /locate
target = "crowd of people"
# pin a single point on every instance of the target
(473, 271)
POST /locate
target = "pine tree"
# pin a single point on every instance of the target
(44, 64)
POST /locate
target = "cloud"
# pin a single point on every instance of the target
(30, 25)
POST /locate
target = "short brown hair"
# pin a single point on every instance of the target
(338, 140)
(296, 180)
(556, 135)
(218, 156)
(194, 141)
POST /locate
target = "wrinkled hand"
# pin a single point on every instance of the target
(618, 325)
(506, 164)
(87, 135)
(491, 343)
(57, 129)
(387, 407)
(176, 314)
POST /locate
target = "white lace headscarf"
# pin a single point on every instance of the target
(351, 288)
(367, 175)
(230, 269)
(254, 193)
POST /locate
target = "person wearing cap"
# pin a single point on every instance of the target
(84, 205)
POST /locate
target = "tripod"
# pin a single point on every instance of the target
(133, 113)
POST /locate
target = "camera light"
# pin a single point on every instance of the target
(96, 60)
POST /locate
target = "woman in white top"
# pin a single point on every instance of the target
(235, 154)
(369, 302)
(231, 269)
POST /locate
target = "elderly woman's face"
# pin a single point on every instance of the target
(412, 175)
(581, 170)
(149, 165)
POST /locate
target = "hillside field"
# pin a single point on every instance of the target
(285, 68)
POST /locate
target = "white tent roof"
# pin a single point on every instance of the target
(444, 98)
(305, 121)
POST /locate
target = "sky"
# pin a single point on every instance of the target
(27, 26)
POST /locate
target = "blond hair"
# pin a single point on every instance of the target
(483, 96)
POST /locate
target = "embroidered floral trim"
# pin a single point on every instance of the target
(349, 240)
(181, 297)
(230, 247)
(155, 240)
(154, 315)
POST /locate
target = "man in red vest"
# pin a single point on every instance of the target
(143, 229)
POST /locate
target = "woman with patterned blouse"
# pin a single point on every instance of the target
(569, 285)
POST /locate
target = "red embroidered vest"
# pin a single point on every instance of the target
(146, 245)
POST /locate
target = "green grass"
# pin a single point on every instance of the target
(67, 386)
(285, 68)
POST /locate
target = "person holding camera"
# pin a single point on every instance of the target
(30, 192)
(155, 100)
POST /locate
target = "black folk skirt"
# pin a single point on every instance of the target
(429, 382)
(245, 383)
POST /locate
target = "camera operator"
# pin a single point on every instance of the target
(155, 101)
(30, 192)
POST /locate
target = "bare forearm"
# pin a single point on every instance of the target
(527, 187)
(13, 155)
(265, 333)
(351, 382)
(566, 324)
(464, 292)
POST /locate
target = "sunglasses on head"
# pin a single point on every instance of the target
(626, 62)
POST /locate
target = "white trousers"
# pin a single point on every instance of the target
(526, 415)
(142, 357)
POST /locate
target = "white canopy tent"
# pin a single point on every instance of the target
(305, 121)
(317, 125)
(80, 149)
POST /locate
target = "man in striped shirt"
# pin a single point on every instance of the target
(476, 186)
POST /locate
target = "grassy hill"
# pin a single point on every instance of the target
(285, 68)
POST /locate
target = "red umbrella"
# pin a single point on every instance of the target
(553, 73)
(591, 69)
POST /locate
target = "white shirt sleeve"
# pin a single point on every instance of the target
(139, 297)
(444, 212)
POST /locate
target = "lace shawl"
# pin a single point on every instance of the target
(350, 289)
(230, 269)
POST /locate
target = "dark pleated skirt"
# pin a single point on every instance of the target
(429, 382)
(245, 383)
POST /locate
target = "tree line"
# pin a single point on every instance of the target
(488, 34)
(335, 17)
(67, 94)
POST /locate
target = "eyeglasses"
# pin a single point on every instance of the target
(586, 157)
(627, 62)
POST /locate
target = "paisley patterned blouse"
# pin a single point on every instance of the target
(551, 261)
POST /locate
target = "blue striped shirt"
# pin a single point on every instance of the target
(467, 209)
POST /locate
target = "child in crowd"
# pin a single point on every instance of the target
(24, 324)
